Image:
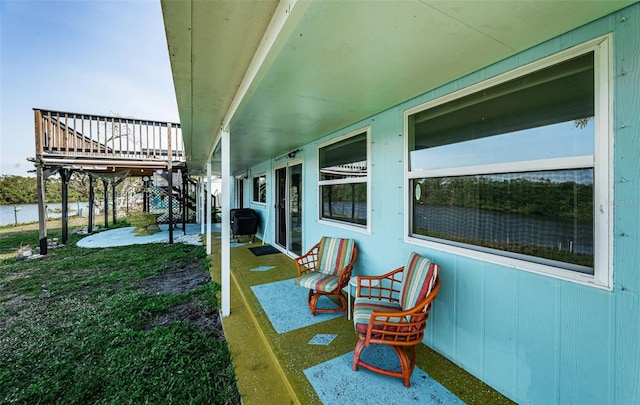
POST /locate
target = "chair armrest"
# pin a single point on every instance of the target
(381, 287)
(308, 262)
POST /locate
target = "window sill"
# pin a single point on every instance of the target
(346, 225)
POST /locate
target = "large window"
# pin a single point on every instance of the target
(516, 168)
(344, 179)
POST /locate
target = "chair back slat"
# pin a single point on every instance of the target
(419, 278)
(334, 254)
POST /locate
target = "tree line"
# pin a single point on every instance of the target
(562, 201)
(23, 190)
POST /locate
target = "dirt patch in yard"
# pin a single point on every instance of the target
(196, 312)
(188, 278)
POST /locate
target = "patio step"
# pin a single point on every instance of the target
(259, 375)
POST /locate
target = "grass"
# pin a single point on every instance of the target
(85, 326)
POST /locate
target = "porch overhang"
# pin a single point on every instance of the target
(330, 63)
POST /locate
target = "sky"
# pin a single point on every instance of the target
(103, 57)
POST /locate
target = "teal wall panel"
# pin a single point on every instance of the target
(500, 327)
(469, 324)
(586, 327)
(535, 338)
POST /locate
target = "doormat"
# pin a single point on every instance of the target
(263, 250)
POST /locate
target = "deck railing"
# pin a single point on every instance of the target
(64, 134)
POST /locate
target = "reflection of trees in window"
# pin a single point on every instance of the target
(343, 167)
(345, 202)
(522, 195)
(548, 215)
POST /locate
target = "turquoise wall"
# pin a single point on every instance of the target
(534, 338)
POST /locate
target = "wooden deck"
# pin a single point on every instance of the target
(108, 148)
(95, 143)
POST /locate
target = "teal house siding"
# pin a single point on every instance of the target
(535, 338)
(625, 361)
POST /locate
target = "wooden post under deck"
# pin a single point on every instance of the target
(184, 203)
(65, 175)
(42, 213)
(170, 198)
(91, 196)
(145, 195)
(113, 201)
(105, 183)
(170, 179)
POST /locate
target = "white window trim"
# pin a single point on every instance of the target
(340, 224)
(264, 174)
(602, 163)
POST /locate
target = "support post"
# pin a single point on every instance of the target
(105, 183)
(114, 207)
(65, 175)
(202, 210)
(91, 208)
(40, 176)
(226, 225)
(208, 216)
(185, 190)
(42, 213)
(145, 194)
(170, 170)
(170, 199)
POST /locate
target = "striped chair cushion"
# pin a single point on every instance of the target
(418, 280)
(318, 281)
(363, 307)
(334, 254)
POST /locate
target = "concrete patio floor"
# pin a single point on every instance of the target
(283, 355)
(271, 333)
(125, 236)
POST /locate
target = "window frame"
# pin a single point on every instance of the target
(255, 199)
(367, 180)
(600, 161)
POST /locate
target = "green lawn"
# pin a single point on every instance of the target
(95, 326)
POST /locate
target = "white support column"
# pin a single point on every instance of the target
(226, 225)
(201, 212)
(208, 219)
(198, 202)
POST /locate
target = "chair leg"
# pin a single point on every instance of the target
(312, 300)
(343, 302)
(356, 354)
(406, 356)
(406, 365)
(314, 296)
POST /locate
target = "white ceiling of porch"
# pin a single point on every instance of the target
(335, 62)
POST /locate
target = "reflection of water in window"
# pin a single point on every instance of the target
(565, 139)
(516, 212)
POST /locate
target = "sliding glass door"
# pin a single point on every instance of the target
(289, 208)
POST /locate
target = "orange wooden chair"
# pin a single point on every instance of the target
(325, 270)
(392, 309)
